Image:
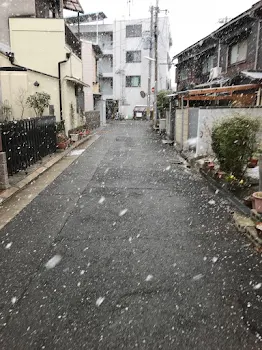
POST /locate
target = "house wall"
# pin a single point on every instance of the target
(208, 118)
(228, 36)
(13, 85)
(88, 73)
(45, 40)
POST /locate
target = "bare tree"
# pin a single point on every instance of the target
(21, 101)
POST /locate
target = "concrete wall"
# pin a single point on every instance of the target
(179, 125)
(43, 38)
(92, 119)
(208, 118)
(89, 77)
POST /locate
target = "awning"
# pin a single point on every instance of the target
(89, 17)
(252, 75)
(76, 81)
(219, 82)
(73, 5)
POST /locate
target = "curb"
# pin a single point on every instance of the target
(244, 222)
(10, 192)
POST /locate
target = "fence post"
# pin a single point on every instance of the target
(4, 182)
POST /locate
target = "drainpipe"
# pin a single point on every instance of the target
(257, 45)
(60, 84)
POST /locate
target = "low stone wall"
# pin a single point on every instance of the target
(4, 183)
(92, 119)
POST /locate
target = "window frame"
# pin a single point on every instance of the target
(130, 85)
(237, 46)
(134, 52)
(129, 33)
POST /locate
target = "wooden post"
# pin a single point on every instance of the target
(260, 172)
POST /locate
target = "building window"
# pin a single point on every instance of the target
(133, 56)
(183, 74)
(133, 81)
(208, 64)
(134, 31)
(238, 52)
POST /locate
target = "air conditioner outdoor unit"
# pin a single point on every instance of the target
(215, 73)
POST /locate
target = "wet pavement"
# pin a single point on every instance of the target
(143, 256)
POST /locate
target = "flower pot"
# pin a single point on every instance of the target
(74, 137)
(62, 144)
(252, 163)
(258, 201)
(211, 166)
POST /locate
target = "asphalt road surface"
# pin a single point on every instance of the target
(128, 250)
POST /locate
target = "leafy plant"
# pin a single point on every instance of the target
(5, 111)
(163, 101)
(39, 101)
(234, 142)
(72, 114)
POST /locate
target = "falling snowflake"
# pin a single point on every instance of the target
(217, 191)
(257, 286)
(99, 301)
(215, 259)
(101, 201)
(168, 168)
(8, 246)
(14, 300)
(82, 272)
(198, 277)
(149, 278)
(212, 202)
(55, 260)
(123, 212)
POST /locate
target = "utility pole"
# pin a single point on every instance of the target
(150, 63)
(156, 59)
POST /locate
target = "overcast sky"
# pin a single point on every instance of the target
(190, 20)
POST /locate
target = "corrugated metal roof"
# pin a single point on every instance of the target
(253, 75)
(89, 17)
(73, 5)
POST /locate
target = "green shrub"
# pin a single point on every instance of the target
(234, 142)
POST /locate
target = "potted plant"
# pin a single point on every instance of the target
(258, 201)
(253, 162)
(62, 141)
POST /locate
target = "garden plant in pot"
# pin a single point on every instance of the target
(257, 196)
(62, 142)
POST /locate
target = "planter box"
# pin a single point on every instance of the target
(74, 137)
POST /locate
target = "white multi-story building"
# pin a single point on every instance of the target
(124, 68)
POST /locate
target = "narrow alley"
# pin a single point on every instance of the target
(128, 249)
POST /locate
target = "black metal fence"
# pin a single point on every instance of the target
(27, 141)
